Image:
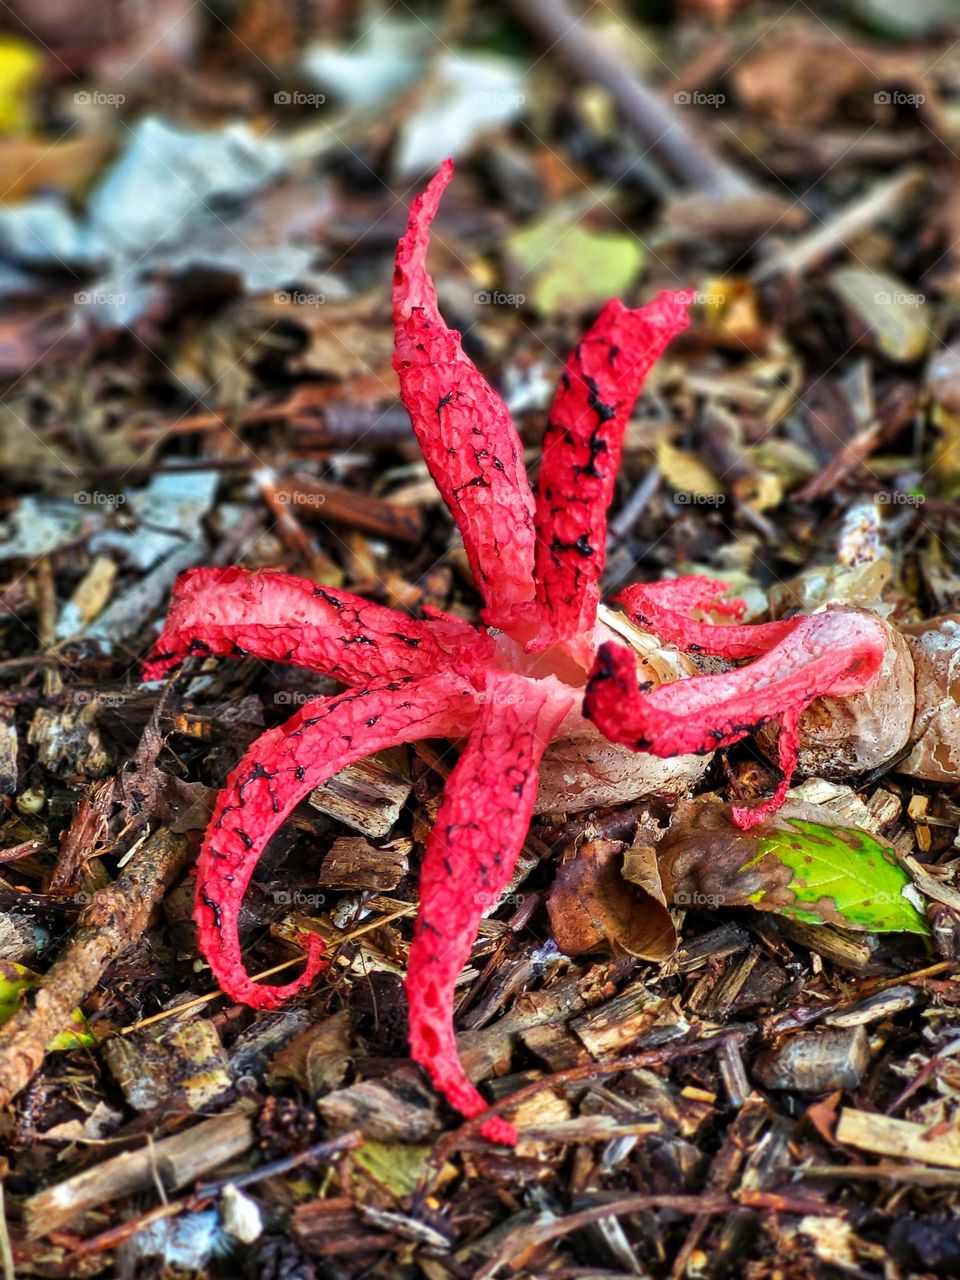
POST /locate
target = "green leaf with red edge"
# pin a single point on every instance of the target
(845, 870)
(800, 863)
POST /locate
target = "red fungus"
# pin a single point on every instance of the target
(463, 427)
(581, 457)
(838, 651)
(506, 689)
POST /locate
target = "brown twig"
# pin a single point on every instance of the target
(851, 221)
(333, 504)
(563, 32)
(170, 1163)
(108, 925)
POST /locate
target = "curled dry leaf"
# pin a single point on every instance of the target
(859, 584)
(800, 863)
(936, 728)
(582, 770)
(840, 737)
(593, 904)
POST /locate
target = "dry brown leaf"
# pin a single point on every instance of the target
(318, 1057)
(592, 906)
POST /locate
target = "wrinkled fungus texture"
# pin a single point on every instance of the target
(463, 427)
(506, 690)
(581, 456)
(838, 651)
(470, 856)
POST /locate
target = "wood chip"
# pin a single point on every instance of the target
(620, 1021)
(186, 1065)
(369, 795)
(842, 948)
(352, 862)
(884, 1136)
(400, 1108)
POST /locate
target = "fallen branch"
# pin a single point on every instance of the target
(115, 1236)
(108, 925)
(564, 33)
(173, 1161)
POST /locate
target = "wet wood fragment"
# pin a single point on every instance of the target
(816, 1061)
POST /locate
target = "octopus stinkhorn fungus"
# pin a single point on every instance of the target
(509, 687)
(830, 692)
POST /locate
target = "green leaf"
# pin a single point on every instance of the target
(838, 871)
(570, 267)
(15, 979)
(394, 1167)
